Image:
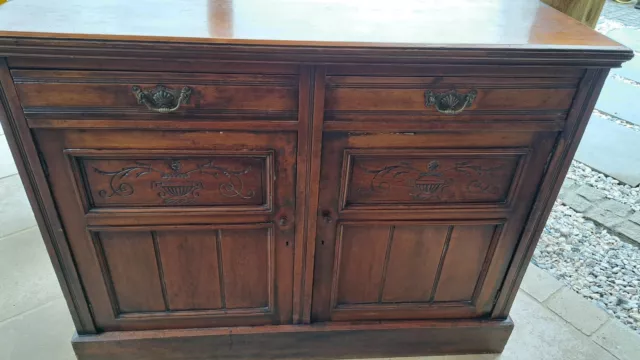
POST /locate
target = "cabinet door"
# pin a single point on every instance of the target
(420, 225)
(176, 229)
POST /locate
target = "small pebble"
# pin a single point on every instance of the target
(590, 258)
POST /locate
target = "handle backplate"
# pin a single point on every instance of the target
(162, 99)
(450, 102)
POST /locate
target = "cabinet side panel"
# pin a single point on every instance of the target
(25, 155)
(556, 170)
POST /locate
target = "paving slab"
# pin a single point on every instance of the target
(635, 217)
(616, 207)
(604, 217)
(627, 36)
(590, 193)
(629, 229)
(540, 334)
(539, 283)
(27, 279)
(620, 99)
(612, 149)
(631, 38)
(7, 166)
(576, 202)
(42, 334)
(619, 340)
(578, 311)
(15, 211)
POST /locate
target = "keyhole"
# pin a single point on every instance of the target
(286, 244)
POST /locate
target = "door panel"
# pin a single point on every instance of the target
(414, 251)
(360, 263)
(463, 261)
(166, 234)
(189, 270)
(420, 225)
(179, 180)
(132, 271)
(246, 270)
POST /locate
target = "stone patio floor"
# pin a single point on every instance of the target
(552, 322)
(612, 139)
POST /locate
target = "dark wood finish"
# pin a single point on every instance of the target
(317, 341)
(32, 174)
(360, 98)
(92, 94)
(254, 255)
(317, 191)
(191, 267)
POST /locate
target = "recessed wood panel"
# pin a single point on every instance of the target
(362, 252)
(410, 270)
(189, 261)
(413, 263)
(247, 267)
(132, 270)
(463, 262)
(140, 181)
(414, 178)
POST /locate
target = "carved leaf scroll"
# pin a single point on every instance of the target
(175, 187)
(382, 180)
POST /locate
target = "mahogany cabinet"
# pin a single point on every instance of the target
(271, 189)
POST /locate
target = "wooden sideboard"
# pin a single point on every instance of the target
(293, 179)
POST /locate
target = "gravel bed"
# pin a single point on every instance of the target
(612, 188)
(593, 262)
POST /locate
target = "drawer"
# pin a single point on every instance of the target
(122, 95)
(453, 98)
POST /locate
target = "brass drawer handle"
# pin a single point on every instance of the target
(450, 102)
(162, 99)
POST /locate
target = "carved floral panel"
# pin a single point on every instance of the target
(438, 179)
(199, 181)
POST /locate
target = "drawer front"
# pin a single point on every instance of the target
(109, 94)
(388, 98)
(224, 180)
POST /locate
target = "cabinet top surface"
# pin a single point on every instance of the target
(525, 24)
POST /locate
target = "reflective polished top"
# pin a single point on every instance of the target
(353, 23)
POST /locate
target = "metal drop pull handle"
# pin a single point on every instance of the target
(450, 102)
(283, 221)
(162, 99)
